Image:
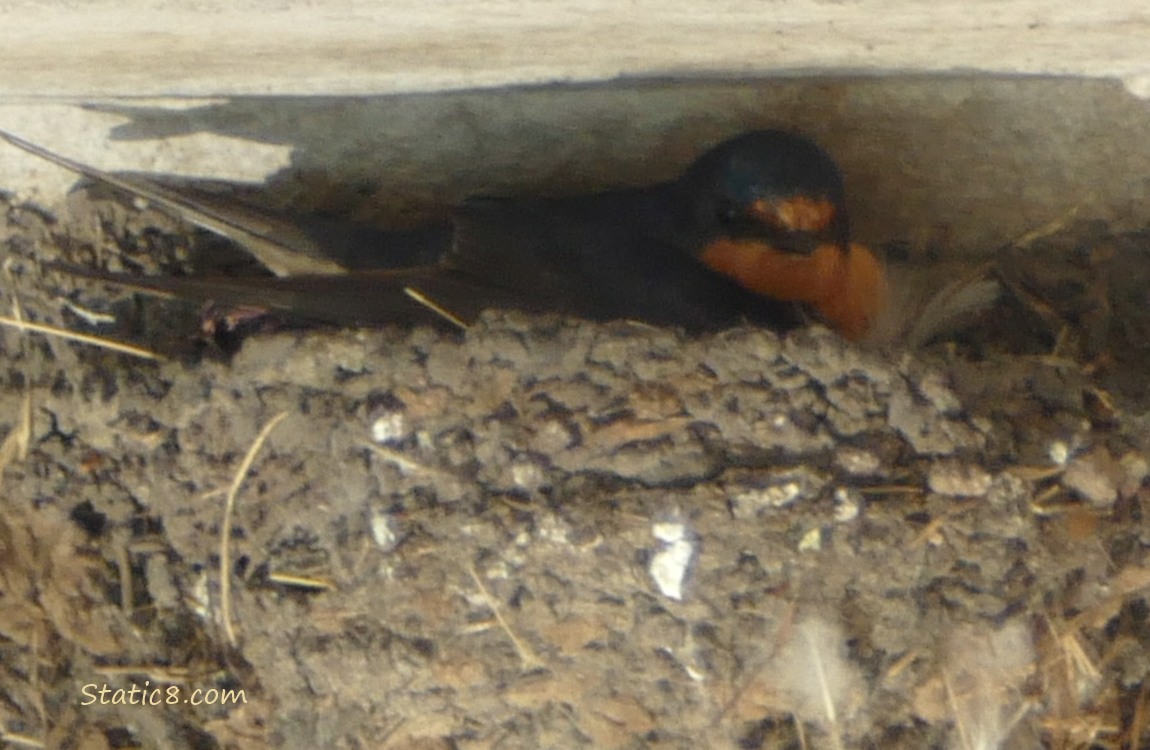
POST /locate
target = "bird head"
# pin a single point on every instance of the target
(767, 210)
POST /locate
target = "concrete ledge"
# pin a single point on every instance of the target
(291, 47)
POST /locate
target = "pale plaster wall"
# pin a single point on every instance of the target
(340, 47)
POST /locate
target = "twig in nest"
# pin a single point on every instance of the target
(226, 532)
(304, 582)
(526, 655)
(407, 465)
(1025, 240)
(83, 338)
(20, 740)
(435, 307)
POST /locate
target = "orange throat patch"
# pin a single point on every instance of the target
(846, 289)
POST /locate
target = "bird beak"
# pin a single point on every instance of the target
(796, 214)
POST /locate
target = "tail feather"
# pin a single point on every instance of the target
(277, 243)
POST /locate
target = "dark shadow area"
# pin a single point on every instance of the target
(948, 163)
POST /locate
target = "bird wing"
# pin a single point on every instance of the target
(277, 243)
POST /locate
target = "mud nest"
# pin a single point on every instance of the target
(548, 533)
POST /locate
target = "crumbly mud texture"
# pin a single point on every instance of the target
(543, 533)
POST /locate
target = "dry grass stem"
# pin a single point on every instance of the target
(526, 655)
(226, 532)
(20, 740)
(435, 307)
(1048, 229)
(303, 582)
(83, 338)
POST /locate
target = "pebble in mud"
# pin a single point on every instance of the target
(957, 479)
(1095, 476)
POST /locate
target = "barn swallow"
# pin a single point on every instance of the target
(755, 229)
